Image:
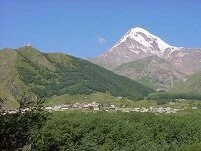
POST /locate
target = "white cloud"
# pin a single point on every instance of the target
(102, 40)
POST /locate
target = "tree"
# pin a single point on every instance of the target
(17, 128)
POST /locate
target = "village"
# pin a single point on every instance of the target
(95, 106)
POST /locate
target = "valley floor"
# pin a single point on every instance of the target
(92, 126)
(106, 102)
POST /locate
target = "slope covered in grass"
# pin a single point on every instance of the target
(192, 85)
(10, 85)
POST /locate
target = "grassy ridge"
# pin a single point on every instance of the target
(173, 96)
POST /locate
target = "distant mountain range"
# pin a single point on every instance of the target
(27, 73)
(132, 57)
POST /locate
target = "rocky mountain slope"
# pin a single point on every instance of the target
(152, 71)
(186, 60)
(26, 72)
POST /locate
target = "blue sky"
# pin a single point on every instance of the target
(87, 28)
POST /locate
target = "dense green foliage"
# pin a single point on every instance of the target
(118, 131)
(193, 147)
(70, 75)
(16, 128)
(173, 96)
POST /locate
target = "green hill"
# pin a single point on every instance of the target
(192, 85)
(28, 71)
(10, 85)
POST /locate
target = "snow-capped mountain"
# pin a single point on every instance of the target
(139, 43)
(136, 44)
(145, 41)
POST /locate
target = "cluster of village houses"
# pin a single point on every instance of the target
(109, 107)
(94, 106)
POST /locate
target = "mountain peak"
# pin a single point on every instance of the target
(146, 39)
(139, 29)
